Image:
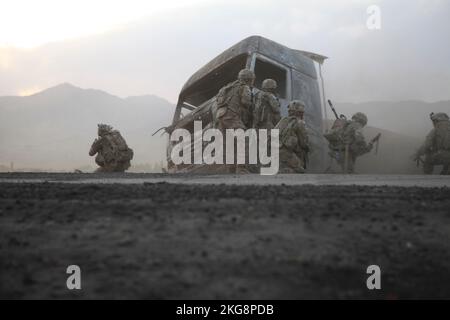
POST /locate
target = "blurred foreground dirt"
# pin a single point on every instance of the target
(164, 240)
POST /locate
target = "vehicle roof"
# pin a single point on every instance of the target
(296, 59)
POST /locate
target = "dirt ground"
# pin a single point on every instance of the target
(195, 241)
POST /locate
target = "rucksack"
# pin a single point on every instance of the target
(335, 136)
(225, 94)
(442, 136)
(119, 147)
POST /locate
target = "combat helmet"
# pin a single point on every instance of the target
(246, 75)
(360, 118)
(296, 106)
(269, 84)
(104, 128)
(440, 116)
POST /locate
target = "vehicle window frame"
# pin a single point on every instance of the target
(266, 59)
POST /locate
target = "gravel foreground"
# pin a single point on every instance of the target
(217, 241)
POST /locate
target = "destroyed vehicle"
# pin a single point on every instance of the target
(295, 71)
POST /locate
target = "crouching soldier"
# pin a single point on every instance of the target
(347, 142)
(113, 153)
(436, 147)
(294, 144)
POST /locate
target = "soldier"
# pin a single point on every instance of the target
(267, 106)
(113, 153)
(347, 142)
(436, 147)
(266, 112)
(234, 104)
(294, 144)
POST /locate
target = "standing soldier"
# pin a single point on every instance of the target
(113, 153)
(347, 142)
(294, 145)
(436, 147)
(234, 104)
(266, 112)
(267, 106)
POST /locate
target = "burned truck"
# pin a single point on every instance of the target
(295, 71)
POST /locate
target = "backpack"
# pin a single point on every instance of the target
(442, 139)
(225, 94)
(335, 136)
(262, 112)
(119, 148)
(223, 99)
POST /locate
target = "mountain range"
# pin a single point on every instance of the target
(53, 129)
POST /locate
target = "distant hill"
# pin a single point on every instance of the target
(54, 129)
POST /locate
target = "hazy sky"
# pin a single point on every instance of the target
(138, 47)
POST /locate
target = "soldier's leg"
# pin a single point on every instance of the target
(340, 160)
(121, 167)
(428, 164)
(224, 123)
(100, 160)
(235, 124)
(290, 163)
(283, 161)
(297, 163)
(351, 163)
(444, 159)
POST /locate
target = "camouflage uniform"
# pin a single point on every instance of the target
(113, 154)
(267, 106)
(234, 104)
(436, 147)
(349, 140)
(294, 144)
(235, 101)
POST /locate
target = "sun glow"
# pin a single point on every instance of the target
(30, 23)
(29, 91)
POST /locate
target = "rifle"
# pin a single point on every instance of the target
(377, 140)
(341, 116)
(333, 109)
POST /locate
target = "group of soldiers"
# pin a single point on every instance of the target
(237, 107)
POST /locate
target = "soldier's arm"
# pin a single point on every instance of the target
(247, 97)
(302, 137)
(361, 144)
(275, 107)
(274, 103)
(95, 147)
